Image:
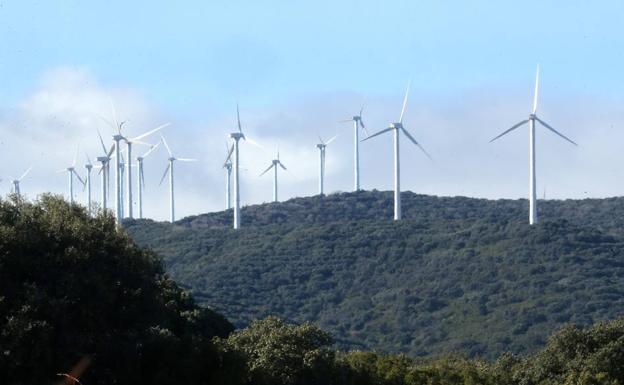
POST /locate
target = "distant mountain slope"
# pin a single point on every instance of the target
(456, 274)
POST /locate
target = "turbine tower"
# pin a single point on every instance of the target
(236, 137)
(228, 178)
(321, 147)
(129, 141)
(274, 163)
(16, 182)
(71, 171)
(532, 176)
(87, 185)
(398, 128)
(141, 178)
(169, 170)
(105, 171)
(357, 123)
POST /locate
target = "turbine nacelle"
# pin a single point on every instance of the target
(237, 136)
(321, 146)
(396, 126)
(532, 116)
(118, 137)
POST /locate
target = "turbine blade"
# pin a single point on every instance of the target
(254, 143)
(165, 174)
(229, 155)
(114, 111)
(142, 177)
(410, 137)
(511, 129)
(238, 119)
(267, 170)
(140, 142)
(536, 90)
(78, 176)
(110, 152)
(345, 121)
(154, 147)
(363, 127)
(101, 141)
(361, 110)
(409, 83)
(88, 159)
(166, 145)
(112, 125)
(378, 133)
(555, 131)
(187, 160)
(24, 174)
(284, 167)
(331, 140)
(320, 139)
(76, 156)
(136, 138)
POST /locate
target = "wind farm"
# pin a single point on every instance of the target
(311, 193)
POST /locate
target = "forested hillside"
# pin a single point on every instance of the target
(458, 274)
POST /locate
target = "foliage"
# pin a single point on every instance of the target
(73, 286)
(456, 275)
(275, 352)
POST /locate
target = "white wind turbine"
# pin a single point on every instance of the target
(169, 170)
(397, 128)
(321, 147)
(141, 177)
(117, 138)
(71, 172)
(228, 178)
(274, 163)
(105, 170)
(236, 137)
(532, 179)
(87, 185)
(129, 141)
(16, 182)
(357, 123)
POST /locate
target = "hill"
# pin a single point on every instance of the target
(458, 274)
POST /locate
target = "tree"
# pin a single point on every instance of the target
(277, 353)
(75, 286)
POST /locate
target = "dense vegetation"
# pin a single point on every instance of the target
(76, 295)
(457, 275)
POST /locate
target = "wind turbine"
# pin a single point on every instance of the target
(274, 163)
(105, 170)
(87, 185)
(169, 170)
(357, 123)
(71, 171)
(129, 141)
(16, 182)
(236, 137)
(228, 177)
(531, 120)
(141, 177)
(321, 146)
(398, 128)
(117, 138)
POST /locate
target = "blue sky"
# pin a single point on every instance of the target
(295, 66)
(185, 54)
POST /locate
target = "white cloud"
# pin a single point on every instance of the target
(46, 127)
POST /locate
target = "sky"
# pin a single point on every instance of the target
(296, 68)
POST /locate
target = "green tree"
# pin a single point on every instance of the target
(75, 286)
(278, 353)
